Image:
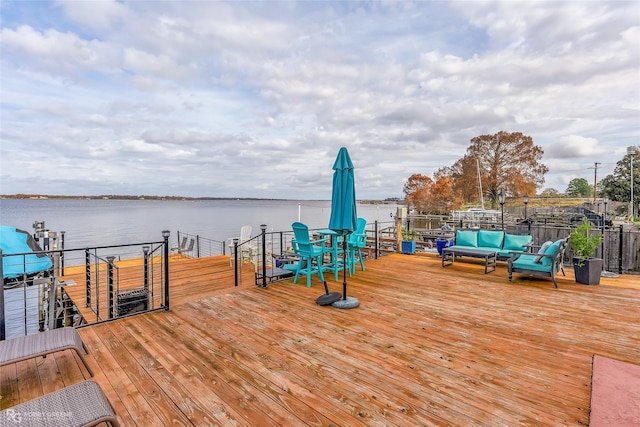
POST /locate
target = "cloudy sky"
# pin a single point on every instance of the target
(254, 99)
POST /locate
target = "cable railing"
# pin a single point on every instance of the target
(84, 286)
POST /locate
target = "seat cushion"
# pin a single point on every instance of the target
(490, 239)
(527, 262)
(467, 238)
(514, 242)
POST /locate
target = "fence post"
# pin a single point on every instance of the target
(87, 277)
(165, 236)
(3, 333)
(197, 246)
(110, 310)
(620, 247)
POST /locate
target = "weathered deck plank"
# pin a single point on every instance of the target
(427, 346)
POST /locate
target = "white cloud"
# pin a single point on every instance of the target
(235, 99)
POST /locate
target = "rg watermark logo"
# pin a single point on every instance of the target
(28, 417)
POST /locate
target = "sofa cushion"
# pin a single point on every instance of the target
(514, 242)
(551, 250)
(490, 239)
(542, 250)
(467, 238)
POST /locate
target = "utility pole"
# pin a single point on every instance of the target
(595, 180)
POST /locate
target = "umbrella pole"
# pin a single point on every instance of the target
(344, 267)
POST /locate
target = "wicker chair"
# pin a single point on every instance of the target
(80, 405)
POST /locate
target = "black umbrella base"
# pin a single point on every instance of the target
(350, 302)
(329, 298)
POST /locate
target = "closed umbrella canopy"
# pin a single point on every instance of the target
(344, 217)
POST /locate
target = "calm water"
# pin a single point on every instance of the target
(111, 222)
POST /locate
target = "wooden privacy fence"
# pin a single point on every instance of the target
(620, 249)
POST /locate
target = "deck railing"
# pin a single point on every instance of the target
(103, 283)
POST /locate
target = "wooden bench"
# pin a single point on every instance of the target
(80, 405)
(41, 344)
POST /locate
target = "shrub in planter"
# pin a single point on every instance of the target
(408, 241)
(584, 242)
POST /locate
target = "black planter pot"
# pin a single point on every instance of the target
(590, 271)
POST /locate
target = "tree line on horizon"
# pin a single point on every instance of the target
(507, 163)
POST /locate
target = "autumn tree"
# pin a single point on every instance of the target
(416, 190)
(464, 178)
(506, 161)
(579, 187)
(442, 198)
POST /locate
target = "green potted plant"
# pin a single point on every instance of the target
(584, 242)
(409, 241)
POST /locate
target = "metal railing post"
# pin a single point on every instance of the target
(62, 253)
(87, 277)
(3, 332)
(110, 310)
(235, 261)
(145, 251)
(263, 227)
(165, 236)
(197, 246)
(376, 243)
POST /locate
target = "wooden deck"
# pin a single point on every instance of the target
(427, 346)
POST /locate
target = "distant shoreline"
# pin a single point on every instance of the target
(144, 197)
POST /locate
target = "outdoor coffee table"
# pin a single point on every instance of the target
(449, 254)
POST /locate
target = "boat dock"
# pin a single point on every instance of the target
(427, 346)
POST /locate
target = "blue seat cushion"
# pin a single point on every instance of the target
(467, 238)
(527, 262)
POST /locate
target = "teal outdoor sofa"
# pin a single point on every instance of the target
(488, 244)
(492, 240)
(546, 264)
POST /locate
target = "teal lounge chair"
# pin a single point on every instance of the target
(545, 264)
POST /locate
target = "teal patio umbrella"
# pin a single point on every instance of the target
(344, 217)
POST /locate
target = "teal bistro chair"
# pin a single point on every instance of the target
(310, 253)
(355, 242)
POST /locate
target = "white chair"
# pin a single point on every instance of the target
(246, 248)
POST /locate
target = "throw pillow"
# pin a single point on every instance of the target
(542, 250)
(467, 238)
(490, 239)
(551, 250)
(514, 242)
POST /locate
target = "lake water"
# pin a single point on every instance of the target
(90, 223)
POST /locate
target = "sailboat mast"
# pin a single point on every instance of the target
(480, 183)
